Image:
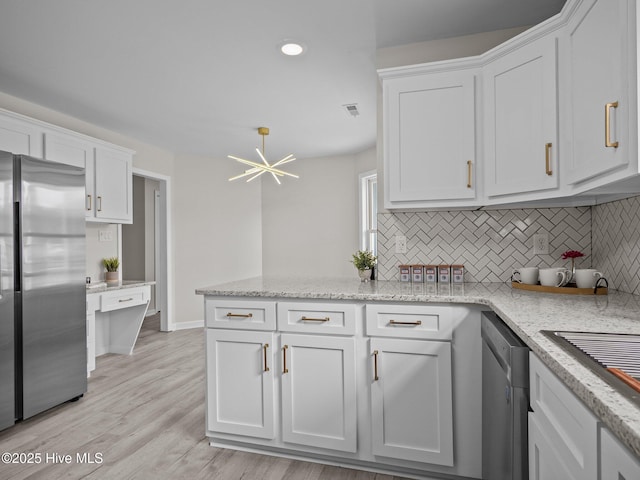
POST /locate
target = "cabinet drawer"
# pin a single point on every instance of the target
(331, 318)
(123, 299)
(240, 314)
(565, 420)
(409, 321)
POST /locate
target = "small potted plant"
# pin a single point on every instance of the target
(111, 264)
(364, 261)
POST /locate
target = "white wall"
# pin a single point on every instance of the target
(310, 224)
(217, 229)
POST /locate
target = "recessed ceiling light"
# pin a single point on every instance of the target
(291, 48)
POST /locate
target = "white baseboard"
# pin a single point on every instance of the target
(188, 325)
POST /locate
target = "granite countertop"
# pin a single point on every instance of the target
(526, 313)
(103, 287)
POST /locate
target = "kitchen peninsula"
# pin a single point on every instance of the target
(263, 300)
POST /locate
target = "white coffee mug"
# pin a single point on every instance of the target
(526, 275)
(586, 277)
(554, 277)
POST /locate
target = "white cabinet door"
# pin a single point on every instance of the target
(411, 400)
(544, 461)
(113, 190)
(240, 394)
(616, 462)
(596, 50)
(429, 138)
(319, 391)
(20, 137)
(521, 130)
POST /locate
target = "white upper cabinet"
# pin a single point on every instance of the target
(521, 120)
(596, 68)
(429, 138)
(19, 137)
(113, 185)
(108, 168)
(559, 113)
(108, 175)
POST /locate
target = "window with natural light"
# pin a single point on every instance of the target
(369, 211)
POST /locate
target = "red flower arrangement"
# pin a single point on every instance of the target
(572, 254)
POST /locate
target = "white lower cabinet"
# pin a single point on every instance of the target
(616, 462)
(240, 391)
(319, 391)
(411, 400)
(305, 386)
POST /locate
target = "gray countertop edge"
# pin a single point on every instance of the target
(526, 313)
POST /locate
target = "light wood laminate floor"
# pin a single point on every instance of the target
(143, 418)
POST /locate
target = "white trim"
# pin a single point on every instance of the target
(165, 293)
(363, 202)
(188, 325)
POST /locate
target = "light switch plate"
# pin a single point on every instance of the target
(105, 235)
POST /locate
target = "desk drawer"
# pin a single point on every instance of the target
(308, 317)
(129, 297)
(410, 321)
(240, 314)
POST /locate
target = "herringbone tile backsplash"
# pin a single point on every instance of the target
(616, 243)
(489, 243)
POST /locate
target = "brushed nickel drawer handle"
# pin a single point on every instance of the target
(264, 349)
(100, 204)
(469, 174)
(607, 125)
(239, 315)
(375, 366)
(395, 322)
(89, 207)
(122, 300)
(311, 319)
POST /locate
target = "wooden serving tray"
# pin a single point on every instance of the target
(570, 289)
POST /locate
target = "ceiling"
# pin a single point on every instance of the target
(200, 76)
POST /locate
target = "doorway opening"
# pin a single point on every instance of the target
(147, 242)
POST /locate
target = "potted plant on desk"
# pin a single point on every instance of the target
(111, 264)
(364, 261)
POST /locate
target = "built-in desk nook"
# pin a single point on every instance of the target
(114, 317)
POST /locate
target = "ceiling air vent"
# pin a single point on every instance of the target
(352, 109)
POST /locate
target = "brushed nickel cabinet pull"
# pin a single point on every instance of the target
(395, 322)
(607, 125)
(89, 198)
(284, 359)
(239, 315)
(264, 350)
(311, 319)
(99, 204)
(469, 168)
(547, 159)
(375, 366)
(122, 300)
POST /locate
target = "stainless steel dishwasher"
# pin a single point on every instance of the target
(505, 401)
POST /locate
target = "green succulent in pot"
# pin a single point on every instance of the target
(111, 264)
(363, 260)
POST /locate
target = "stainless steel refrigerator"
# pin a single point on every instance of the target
(43, 356)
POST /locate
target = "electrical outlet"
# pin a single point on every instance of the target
(541, 244)
(401, 244)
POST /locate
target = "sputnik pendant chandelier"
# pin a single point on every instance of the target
(258, 169)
